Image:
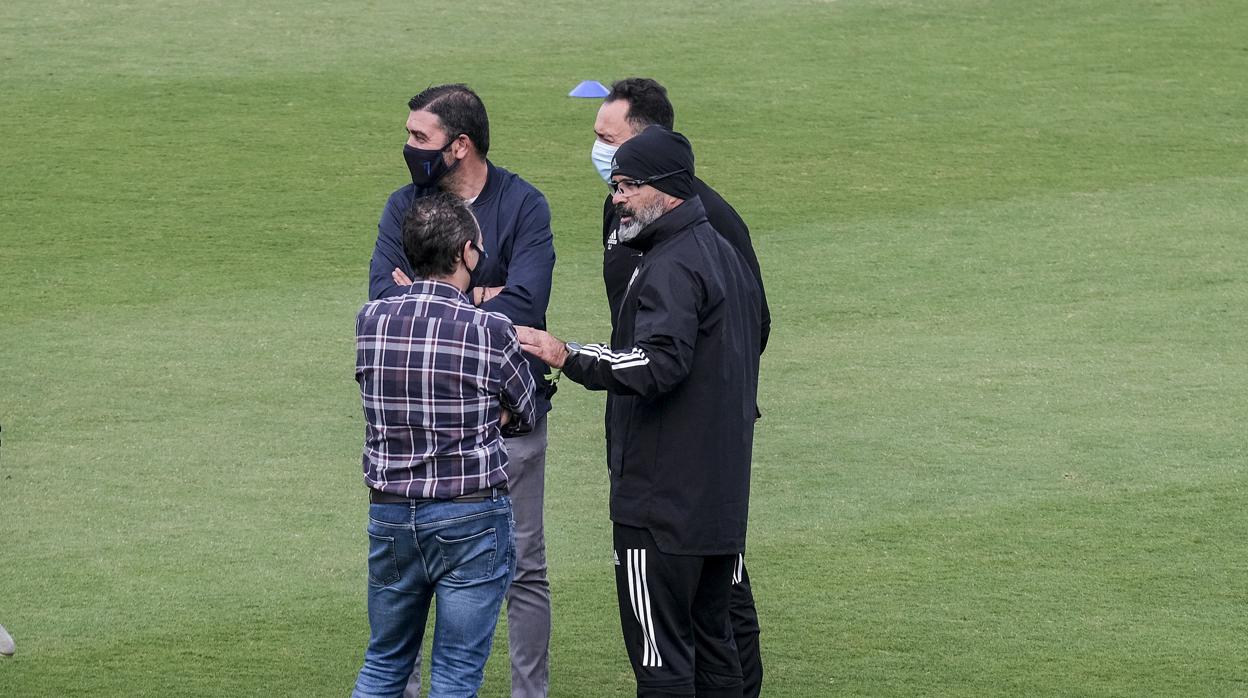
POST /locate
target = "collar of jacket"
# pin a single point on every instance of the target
(669, 224)
(490, 190)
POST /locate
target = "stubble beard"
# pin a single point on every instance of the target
(640, 218)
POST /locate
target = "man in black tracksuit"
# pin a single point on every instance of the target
(682, 377)
(632, 105)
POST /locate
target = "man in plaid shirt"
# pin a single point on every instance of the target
(440, 381)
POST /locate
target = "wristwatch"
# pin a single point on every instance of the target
(573, 347)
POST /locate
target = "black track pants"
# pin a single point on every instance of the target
(745, 631)
(675, 619)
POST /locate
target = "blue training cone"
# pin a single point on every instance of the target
(589, 89)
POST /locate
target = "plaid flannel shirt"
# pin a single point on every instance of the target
(434, 374)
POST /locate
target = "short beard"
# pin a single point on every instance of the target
(640, 219)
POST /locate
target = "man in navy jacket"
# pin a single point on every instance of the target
(448, 139)
(681, 373)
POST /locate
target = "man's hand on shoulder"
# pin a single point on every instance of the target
(400, 279)
(545, 346)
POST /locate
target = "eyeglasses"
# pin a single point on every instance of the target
(628, 187)
(480, 250)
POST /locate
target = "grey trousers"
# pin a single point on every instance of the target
(528, 598)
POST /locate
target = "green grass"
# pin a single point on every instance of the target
(1002, 451)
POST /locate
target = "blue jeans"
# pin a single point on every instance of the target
(528, 598)
(459, 554)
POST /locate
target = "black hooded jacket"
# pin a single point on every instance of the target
(619, 261)
(682, 373)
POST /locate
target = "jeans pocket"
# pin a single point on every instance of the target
(470, 558)
(383, 562)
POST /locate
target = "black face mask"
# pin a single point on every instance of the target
(427, 166)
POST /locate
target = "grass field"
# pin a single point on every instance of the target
(1004, 449)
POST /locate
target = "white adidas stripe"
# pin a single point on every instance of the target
(644, 360)
(618, 360)
(602, 351)
(738, 569)
(639, 597)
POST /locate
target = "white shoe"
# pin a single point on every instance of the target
(7, 648)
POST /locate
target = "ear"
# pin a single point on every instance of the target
(459, 147)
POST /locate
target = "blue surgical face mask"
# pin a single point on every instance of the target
(602, 155)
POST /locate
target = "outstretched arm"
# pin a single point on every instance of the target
(665, 327)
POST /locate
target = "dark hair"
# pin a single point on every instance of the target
(647, 103)
(459, 109)
(434, 233)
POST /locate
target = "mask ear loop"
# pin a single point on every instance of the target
(473, 272)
